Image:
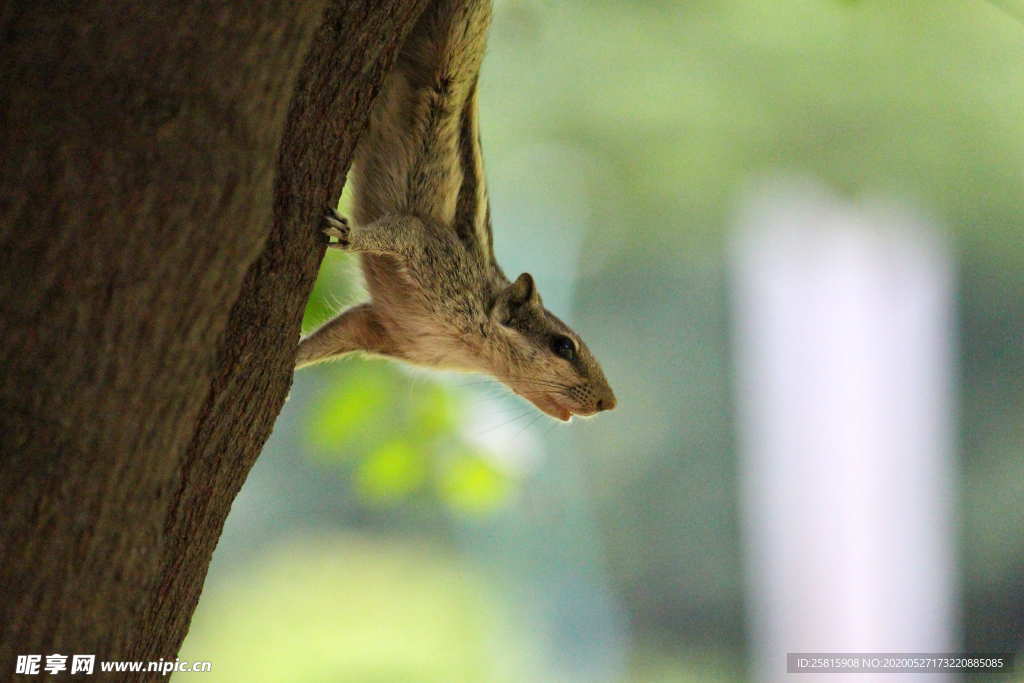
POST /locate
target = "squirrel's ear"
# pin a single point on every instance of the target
(520, 293)
(523, 291)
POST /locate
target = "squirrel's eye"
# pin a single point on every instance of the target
(563, 346)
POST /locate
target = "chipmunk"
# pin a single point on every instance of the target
(422, 228)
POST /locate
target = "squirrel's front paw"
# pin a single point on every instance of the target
(336, 226)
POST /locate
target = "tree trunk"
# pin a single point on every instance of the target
(163, 169)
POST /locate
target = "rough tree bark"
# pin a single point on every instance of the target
(163, 166)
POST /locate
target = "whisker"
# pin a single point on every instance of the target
(537, 393)
(539, 382)
(503, 424)
(478, 382)
(529, 379)
(527, 425)
(416, 377)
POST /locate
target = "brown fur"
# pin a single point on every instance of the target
(422, 228)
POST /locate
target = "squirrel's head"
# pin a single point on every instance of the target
(540, 358)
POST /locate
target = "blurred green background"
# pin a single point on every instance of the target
(407, 526)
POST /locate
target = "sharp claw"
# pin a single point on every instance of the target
(332, 214)
(337, 228)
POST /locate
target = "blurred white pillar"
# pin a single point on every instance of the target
(843, 342)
